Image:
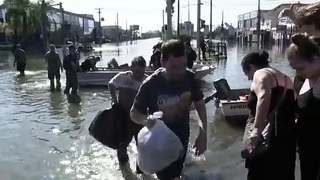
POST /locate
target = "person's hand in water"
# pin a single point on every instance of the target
(201, 143)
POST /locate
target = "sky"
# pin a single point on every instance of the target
(148, 13)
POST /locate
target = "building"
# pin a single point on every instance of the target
(270, 26)
(186, 28)
(112, 32)
(76, 27)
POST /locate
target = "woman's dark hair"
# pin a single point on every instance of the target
(259, 60)
(172, 47)
(304, 47)
(139, 60)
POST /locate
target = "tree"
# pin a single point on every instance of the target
(16, 14)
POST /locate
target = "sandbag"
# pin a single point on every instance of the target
(108, 127)
(158, 147)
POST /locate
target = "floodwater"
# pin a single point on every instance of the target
(43, 136)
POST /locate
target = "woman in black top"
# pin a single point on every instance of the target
(268, 84)
(304, 56)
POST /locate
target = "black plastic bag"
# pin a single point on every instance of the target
(108, 127)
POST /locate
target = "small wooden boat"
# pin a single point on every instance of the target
(102, 76)
(232, 102)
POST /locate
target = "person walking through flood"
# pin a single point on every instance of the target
(20, 60)
(154, 62)
(203, 48)
(304, 56)
(191, 55)
(71, 66)
(128, 84)
(54, 67)
(171, 89)
(267, 87)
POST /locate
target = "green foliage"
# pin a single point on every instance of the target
(23, 15)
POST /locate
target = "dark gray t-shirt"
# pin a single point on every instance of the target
(157, 93)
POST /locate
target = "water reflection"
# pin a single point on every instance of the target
(74, 110)
(19, 80)
(56, 104)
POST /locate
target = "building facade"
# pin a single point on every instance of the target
(186, 28)
(271, 27)
(76, 27)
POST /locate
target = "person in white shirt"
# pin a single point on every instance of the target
(128, 84)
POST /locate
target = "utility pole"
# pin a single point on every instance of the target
(44, 26)
(99, 28)
(222, 25)
(258, 26)
(189, 11)
(178, 20)
(127, 33)
(198, 26)
(118, 37)
(210, 21)
(169, 19)
(163, 30)
(62, 23)
(189, 28)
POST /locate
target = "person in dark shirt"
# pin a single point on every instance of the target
(203, 48)
(155, 59)
(20, 59)
(191, 55)
(171, 89)
(304, 57)
(54, 66)
(71, 65)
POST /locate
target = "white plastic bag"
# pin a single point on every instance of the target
(158, 147)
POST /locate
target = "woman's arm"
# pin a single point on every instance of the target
(261, 85)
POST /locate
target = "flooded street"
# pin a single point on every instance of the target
(43, 136)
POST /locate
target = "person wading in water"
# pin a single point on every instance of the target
(20, 59)
(54, 67)
(71, 65)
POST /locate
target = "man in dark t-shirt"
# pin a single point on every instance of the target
(20, 59)
(54, 66)
(155, 59)
(191, 55)
(171, 89)
(71, 65)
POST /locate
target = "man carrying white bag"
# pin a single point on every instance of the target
(157, 144)
(171, 90)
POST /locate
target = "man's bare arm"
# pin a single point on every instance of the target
(202, 112)
(137, 117)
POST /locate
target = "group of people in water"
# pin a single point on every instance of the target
(173, 87)
(70, 64)
(170, 89)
